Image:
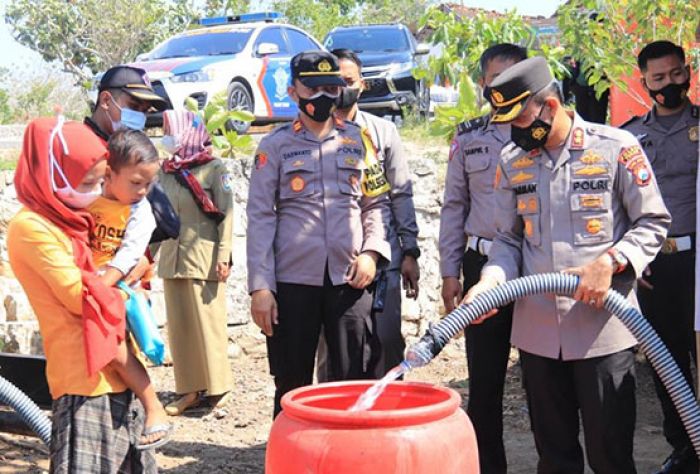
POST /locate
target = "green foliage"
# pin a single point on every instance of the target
(5, 108)
(317, 17)
(468, 106)
(216, 117)
(462, 41)
(606, 35)
(87, 36)
(226, 7)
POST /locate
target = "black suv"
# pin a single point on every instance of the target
(388, 54)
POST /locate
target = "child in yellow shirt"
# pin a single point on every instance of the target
(124, 223)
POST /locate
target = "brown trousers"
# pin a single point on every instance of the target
(198, 339)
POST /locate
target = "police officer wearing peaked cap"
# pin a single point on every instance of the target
(575, 197)
(317, 228)
(668, 134)
(466, 223)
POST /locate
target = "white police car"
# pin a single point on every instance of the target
(247, 56)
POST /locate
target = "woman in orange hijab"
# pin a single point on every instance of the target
(59, 172)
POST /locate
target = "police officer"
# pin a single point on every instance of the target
(577, 197)
(317, 214)
(669, 136)
(403, 230)
(466, 222)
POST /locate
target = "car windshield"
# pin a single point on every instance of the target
(202, 44)
(368, 40)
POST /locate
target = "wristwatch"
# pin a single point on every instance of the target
(619, 261)
(412, 252)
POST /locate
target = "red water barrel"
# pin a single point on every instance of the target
(414, 428)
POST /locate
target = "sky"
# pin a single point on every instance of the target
(15, 55)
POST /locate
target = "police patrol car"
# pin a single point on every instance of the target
(247, 56)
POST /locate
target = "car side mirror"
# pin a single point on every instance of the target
(422, 48)
(265, 49)
(142, 57)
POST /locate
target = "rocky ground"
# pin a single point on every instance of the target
(232, 439)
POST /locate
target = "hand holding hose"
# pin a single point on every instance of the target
(486, 283)
(595, 280)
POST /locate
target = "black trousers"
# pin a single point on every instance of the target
(488, 348)
(603, 390)
(669, 307)
(388, 345)
(344, 313)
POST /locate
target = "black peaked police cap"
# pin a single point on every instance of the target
(511, 91)
(316, 68)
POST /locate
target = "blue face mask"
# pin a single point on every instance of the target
(131, 119)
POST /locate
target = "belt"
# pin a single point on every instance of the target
(677, 244)
(479, 244)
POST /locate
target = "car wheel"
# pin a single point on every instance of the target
(239, 98)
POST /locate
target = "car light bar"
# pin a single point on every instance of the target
(243, 18)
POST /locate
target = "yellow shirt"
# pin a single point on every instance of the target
(41, 256)
(110, 224)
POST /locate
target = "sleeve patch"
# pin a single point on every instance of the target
(227, 182)
(453, 149)
(260, 160)
(629, 154)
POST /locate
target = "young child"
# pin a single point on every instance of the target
(124, 223)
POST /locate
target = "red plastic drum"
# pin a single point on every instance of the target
(414, 428)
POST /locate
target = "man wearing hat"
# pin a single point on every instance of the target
(318, 210)
(124, 95)
(576, 197)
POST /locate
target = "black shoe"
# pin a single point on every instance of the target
(681, 461)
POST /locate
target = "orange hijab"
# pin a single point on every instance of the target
(103, 307)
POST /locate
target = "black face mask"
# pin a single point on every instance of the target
(671, 95)
(348, 97)
(318, 107)
(533, 136)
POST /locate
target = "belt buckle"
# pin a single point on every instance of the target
(669, 246)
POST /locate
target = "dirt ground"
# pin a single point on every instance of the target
(232, 439)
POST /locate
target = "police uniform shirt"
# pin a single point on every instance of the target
(314, 202)
(673, 154)
(598, 193)
(468, 205)
(403, 231)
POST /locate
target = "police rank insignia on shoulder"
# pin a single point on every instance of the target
(470, 125)
(577, 138)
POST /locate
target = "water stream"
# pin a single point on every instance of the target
(367, 400)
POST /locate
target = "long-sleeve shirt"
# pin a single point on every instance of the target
(562, 210)
(41, 256)
(314, 203)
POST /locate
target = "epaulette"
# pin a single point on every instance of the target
(471, 125)
(632, 119)
(694, 111)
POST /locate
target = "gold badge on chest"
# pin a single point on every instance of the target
(693, 133)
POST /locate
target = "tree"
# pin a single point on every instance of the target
(461, 41)
(226, 7)
(87, 36)
(606, 35)
(318, 17)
